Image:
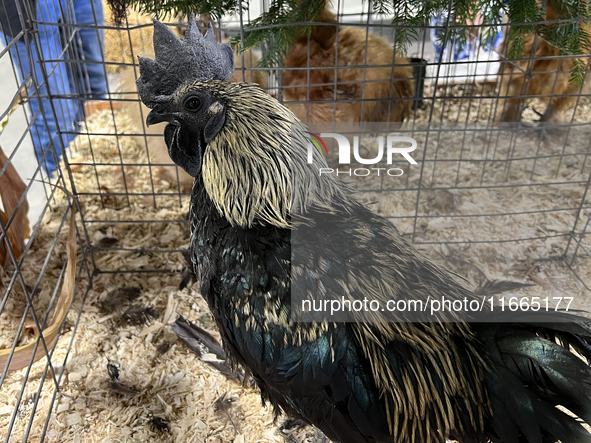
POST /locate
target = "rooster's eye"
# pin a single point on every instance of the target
(192, 104)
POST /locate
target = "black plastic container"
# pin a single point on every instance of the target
(419, 71)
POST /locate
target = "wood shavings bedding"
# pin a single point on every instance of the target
(507, 186)
(41, 249)
(477, 102)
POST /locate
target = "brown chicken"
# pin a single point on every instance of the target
(372, 86)
(138, 112)
(549, 77)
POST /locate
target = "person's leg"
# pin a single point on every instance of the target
(42, 142)
(91, 77)
(50, 118)
(59, 114)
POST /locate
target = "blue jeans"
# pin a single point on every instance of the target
(52, 129)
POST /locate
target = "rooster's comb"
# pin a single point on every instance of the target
(177, 62)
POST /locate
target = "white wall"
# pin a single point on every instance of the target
(24, 160)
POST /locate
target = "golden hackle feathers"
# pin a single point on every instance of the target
(415, 408)
(251, 170)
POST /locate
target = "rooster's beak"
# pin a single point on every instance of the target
(159, 117)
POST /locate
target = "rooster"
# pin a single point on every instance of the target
(266, 226)
(151, 137)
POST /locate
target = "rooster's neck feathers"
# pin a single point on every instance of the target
(252, 167)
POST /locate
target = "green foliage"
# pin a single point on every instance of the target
(579, 72)
(285, 19)
(164, 9)
(279, 27)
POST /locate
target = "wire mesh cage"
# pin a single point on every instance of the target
(499, 189)
(40, 270)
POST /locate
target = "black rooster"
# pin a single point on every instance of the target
(264, 224)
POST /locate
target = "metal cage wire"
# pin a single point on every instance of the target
(455, 108)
